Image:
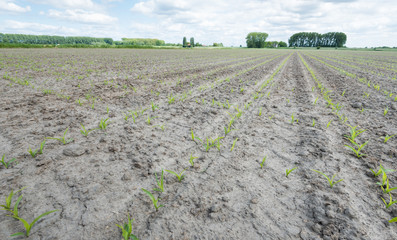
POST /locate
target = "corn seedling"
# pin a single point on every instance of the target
(270, 118)
(343, 93)
(330, 181)
(191, 160)
(154, 200)
(358, 150)
(127, 230)
(329, 123)
(385, 111)
(260, 112)
(84, 131)
(234, 143)
(391, 202)
(314, 123)
(149, 119)
(393, 220)
(381, 170)
(180, 176)
(7, 206)
(154, 107)
(288, 171)
(15, 212)
(315, 101)
(62, 139)
(194, 137)
(387, 137)
(354, 133)
(79, 102)
(28, 226)
(126, 117)
(171, 99)
(160, 182)
(5, 163)
(293, 119)
(263, 162)
(387, 189)
(38, 151)
(103, 124)
(107, 109)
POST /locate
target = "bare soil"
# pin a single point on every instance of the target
(96, 180)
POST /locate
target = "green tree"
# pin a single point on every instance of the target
(256, 39)
(184, 42)
(192, 41)
(282, 44)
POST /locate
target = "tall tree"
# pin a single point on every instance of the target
(192, 41)
(184, 42)
(313, 39)
(256, 39)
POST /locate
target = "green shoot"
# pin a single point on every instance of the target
(263, 162)
(315, 101)
(329, 123)
(270, 118)
(391, 202)
(7, 206)
(154, 200)
(359, 148)
(393, 220)
(385, 111)
(354, 133)
(103, 124)
(288, 171)
(191, 160)
(362, 110)
(179, 176)
(62, 139)
(387, 189)
(126, 117)
(154, 107)
(171, 99)
(381, 170)
(160, 182)
(387, 137)
(330, 181)
(194, 137)
(84, 131)
(314, 123)
(107, 109)
(28, 226)
(149, 119)
(15, 211)
(260, 112)
(38, 151)
(127, 230)
(343, 93)
(79, 102)
(234, 143)
(5, 163)
(293, 119)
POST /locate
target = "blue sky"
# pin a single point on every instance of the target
(366, 22)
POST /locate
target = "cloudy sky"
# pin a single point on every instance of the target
(366, 22)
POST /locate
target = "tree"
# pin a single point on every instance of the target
(256, 39)
(184, 42)
(192, 41)
(313, 39)
(282, 44)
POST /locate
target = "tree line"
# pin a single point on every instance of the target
(54, 40)
(258, 40)
(46, 39)
(313, 39)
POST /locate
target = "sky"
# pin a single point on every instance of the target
(367, 23)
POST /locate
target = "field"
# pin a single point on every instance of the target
(108, 121)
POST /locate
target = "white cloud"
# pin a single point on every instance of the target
(82, 16)
(35, 28)
(230, 21)
(9, 6)
(67, 4)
